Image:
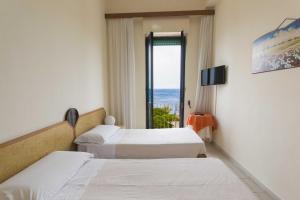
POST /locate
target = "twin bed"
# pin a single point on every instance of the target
(41, 166)
(142, 143)
(77, 176)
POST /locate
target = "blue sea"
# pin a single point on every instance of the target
(167, 97)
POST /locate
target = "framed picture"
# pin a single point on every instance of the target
(278, 49)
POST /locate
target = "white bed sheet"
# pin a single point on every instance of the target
(149, 143)
(156, 179)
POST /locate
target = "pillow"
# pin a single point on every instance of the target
(97, 135)
(43, 179)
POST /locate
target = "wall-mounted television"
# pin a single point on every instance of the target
(213, 76)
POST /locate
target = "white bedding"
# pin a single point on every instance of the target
(45, 178)
(148, 143)
(159, 179)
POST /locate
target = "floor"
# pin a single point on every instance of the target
(212, 151)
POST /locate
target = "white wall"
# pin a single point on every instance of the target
(120, 6)
(258, 114)
(52, 57)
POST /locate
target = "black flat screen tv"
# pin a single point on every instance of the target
(213, 76)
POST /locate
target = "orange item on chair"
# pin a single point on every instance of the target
(201, 121)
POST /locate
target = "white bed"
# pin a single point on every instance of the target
(148, 143)
(127, 179)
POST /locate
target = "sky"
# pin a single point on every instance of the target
(166, 67)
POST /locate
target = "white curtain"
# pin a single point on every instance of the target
(121, 71)
(203, 101)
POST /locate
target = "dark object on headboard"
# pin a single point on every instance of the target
(72, 116)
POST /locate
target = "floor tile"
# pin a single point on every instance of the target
(213, 152)
(263, 196)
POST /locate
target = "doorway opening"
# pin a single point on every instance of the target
(165, 73)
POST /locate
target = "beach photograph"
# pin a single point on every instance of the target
(277, 50)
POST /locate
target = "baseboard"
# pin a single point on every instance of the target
(247, 173)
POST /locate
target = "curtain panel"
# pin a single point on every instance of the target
(121, 60)
(204, 95)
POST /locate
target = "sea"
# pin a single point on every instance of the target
(167, 97)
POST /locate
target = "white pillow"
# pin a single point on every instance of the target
(97, 135)
(43, 179)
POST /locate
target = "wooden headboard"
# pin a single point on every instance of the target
(89, 120)
(19, 153)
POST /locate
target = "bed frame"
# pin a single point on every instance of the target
(19, 153)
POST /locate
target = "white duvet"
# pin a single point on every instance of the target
(159, 136)
(149, 143)
(160, 179)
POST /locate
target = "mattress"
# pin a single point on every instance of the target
(149, 143)
(155, 179)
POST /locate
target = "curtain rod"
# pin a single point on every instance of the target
(159, 14)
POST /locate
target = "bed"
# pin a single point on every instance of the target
(141, 143)
(78, 176)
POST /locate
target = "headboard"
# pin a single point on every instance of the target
(89, 120)
(17, 154)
